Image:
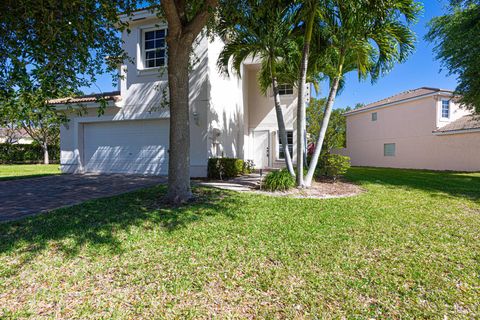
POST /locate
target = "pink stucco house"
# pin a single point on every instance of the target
(424, 128)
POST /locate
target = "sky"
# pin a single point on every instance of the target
(420, 70)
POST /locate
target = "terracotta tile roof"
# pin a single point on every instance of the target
(21, 132)
(467, 122)
(414, 93)
(114, 95)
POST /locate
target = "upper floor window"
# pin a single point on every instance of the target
(155, 48)
(374, 116)
(285, 89)
(281, 154)
(446, 109)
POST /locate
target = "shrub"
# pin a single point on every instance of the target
(333, 165)
(279, 180)
(26, 153)
(248, 166)
(226, 168)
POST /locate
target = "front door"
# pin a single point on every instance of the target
(261, 149)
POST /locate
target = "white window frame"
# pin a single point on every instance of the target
(143, 51)
(374, 116)
(385, 149)
(441, 109)
(279, 144)
(285, 87)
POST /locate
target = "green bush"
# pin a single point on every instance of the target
(226, 168)
(248, 166)
(26, 153)
(333, 165)
(279, 180)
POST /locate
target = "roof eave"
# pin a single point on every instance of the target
(77, 105)
(137, 15)
(458, 131)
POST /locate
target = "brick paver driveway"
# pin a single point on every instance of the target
(25, 197)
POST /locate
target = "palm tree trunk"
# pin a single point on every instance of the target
(301, 115)
(179, 148)
(323, 131)
(282, 133)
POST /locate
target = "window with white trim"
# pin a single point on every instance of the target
(154, 48)
(374, 116)
(389, 149)
(281, 154)
(285, 89)
(445, 109)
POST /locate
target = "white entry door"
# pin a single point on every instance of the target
(261, 149)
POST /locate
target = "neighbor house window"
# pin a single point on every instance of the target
(281, 154)
(285, 89)
(446, 109)
(155, 48)
(374, 116)
(389, 149)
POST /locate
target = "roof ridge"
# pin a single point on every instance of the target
(400, 93)
(403, 95)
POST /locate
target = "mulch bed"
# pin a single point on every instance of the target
(321, 189)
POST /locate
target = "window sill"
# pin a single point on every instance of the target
(152, 71)
(284, 96)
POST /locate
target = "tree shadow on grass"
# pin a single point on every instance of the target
(438, 183)
(98, 223)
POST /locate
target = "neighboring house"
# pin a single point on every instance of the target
(228, 115)
(424, 128)
(20, 136)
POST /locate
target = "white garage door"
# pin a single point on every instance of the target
(136, 147)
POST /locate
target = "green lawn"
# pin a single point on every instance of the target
(409, 247)
(20, 171)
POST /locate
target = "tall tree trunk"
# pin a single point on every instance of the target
(280, 121)
(323, 131)
(301, 114)
(182, 31)
(46, 158)
(179, 148)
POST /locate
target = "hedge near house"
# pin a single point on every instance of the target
(26, 153)
(226, 168)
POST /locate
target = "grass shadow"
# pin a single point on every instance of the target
(98, 223)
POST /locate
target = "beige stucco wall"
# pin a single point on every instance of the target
(409, 125)
(262, 116)
(226, 108)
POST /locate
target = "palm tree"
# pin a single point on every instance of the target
(311, 10)
(260, 29)
(364, 36)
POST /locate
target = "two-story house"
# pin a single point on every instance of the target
(229, 116)
(424, 128)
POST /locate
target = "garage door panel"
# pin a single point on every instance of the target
(127, 147)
